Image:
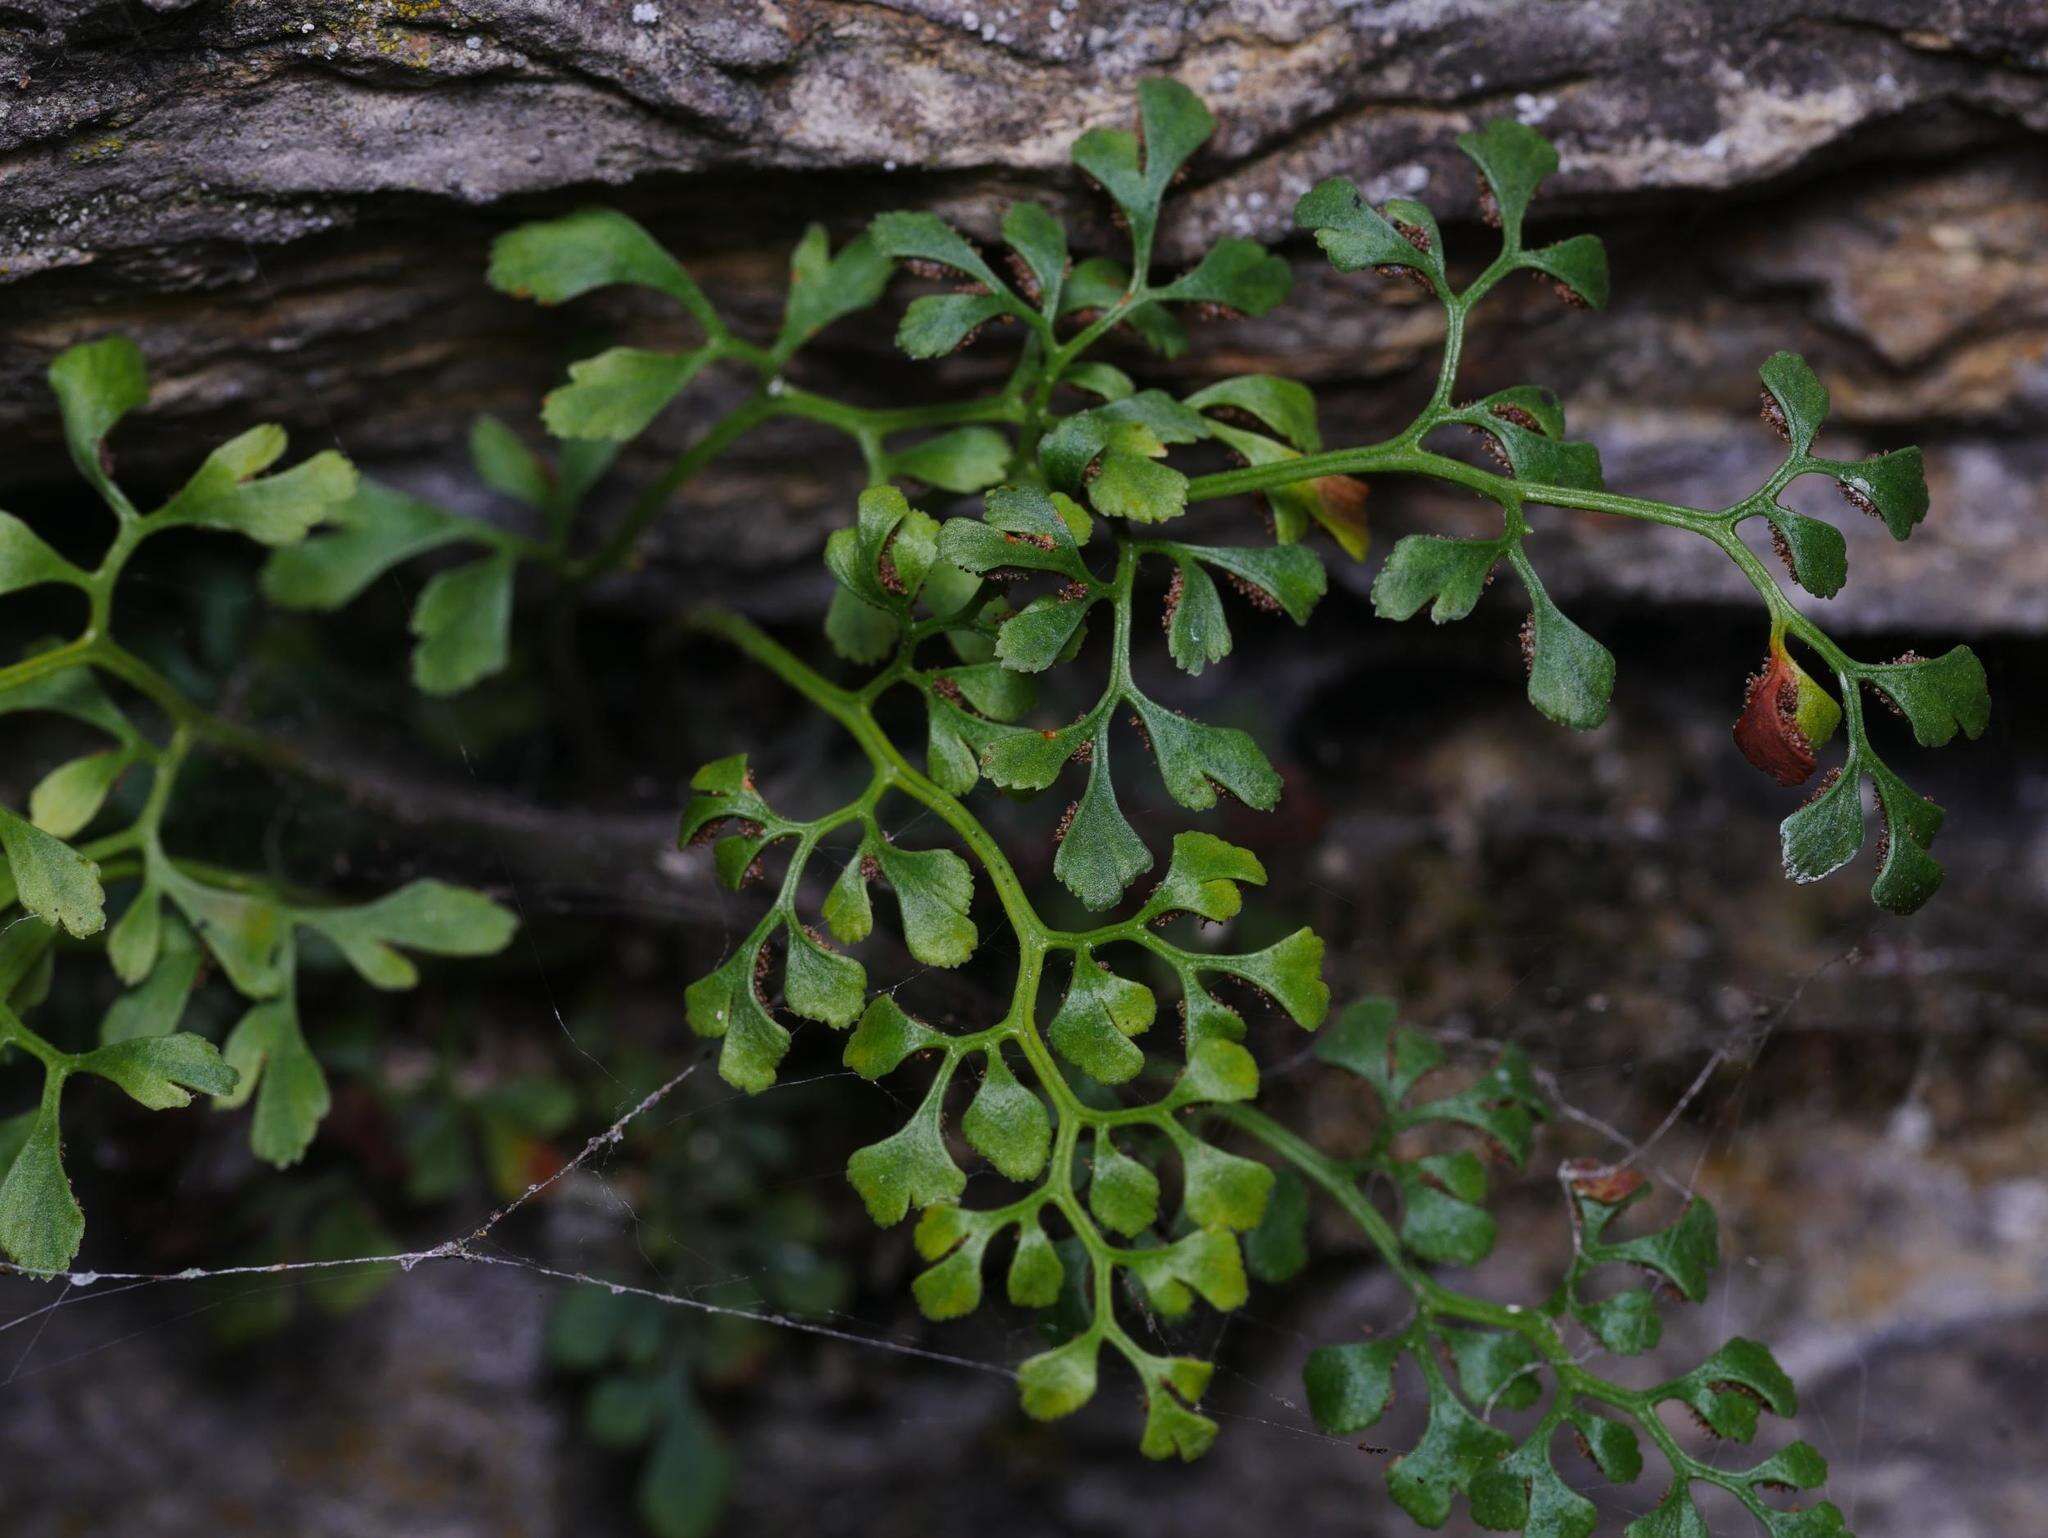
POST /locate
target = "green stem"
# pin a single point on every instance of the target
(1398, 456)
(56, 1064)
(647, 506)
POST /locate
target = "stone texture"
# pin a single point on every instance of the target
(288, 204)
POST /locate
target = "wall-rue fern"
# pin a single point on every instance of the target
(1073, 462)
(179, 911)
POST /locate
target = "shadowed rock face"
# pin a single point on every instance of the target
(289, 205)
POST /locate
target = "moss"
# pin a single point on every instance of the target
(106, 147)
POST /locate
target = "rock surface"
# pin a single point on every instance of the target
(288, 205)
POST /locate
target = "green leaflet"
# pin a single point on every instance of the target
(1732, 1387)
(1889, 487)
(1825, 833)
(161, 1072)
(682, 1489)
(963, 460)
(593, 248)
(934, 889)
(1036, 1271)
(1447, 574)
(1455, 1447)
(1045, 632)
(1130, 483)
(97, 384)
(1684, 1254)
(1007, 1123)
(464, 624)
(166, 977)
(1571, 675)
(70, 796)
(1350, 1386)
(1022, 528)
(1815, 552)
(1627, 1324)
(1223, 1190)
(1289, 971)
(1136, 169)
(1276, 1251)
(1796, 1464)
(1238, 275)
(940, 323)
(1041, 244)
(429, 916)
(1206, 1264)
(41, 1222)
(884, 558)
(74, 692)
(1354, 235)
(819, 983)
(1514, 159)
(25, 561)
(1286, 406)
(848, 912)
(231, 494)
(1056, 1383)
(506, 465)
(910, 1168)
(1579, 264)
(1523, 1493)
(1104, 380)
(614, 395)
(952, 1288)
(1801, 399)
(1495, 1367)
(1172, 1429)
(727, 1006)
(1614, 1450)
(1675, 1517)
(27, 968)
(1122, 1193)
(1100, 852)
(1203, 878)
(1363, 1040)
(1291, 576)
(825, 286)
(1907, 875)
(52, 880)
(1542, 458)
(992, 690)
(1937, 696)
(928, 238)
(857, 632)
(1196, 761)
(268, 1053)
(1094, 1022)
(1442, 1220)
(365, 537)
